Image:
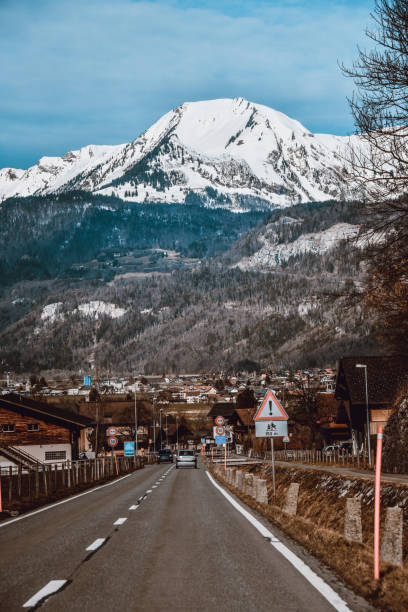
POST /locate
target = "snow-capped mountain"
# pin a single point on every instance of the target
(231, 153)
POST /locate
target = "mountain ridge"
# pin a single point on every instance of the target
(226, 152)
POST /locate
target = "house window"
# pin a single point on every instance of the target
(55, 455)
(8, 428)
(33, 427)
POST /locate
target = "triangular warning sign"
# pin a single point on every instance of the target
(270, 409)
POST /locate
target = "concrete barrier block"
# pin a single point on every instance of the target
(261, 491)
(239, 479)
(352, 522)
(248, 484)
(291, 502)
(391, 542)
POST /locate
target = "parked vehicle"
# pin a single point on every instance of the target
(186, 458)
(331, 449)
(165, 456)
(346, 447)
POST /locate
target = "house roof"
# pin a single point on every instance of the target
(224, 409)
(385, 376)
(15, 402)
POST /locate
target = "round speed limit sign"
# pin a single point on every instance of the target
(219, 420)
(113, 442)
(220, 431)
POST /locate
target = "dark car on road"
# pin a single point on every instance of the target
(165, 456)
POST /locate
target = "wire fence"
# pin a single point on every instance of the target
(335, 457)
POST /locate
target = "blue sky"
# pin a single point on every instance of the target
(78, 72)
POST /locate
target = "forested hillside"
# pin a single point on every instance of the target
(208, 317)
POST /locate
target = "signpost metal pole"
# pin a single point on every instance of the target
(177, 430)
(225, 456)
(161, 433)
(273, 468)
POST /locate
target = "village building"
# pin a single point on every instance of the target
(33, 432)
(372, 381)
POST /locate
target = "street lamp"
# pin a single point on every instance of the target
(364, 366)
(136, 446)
(154, 424)
(161, 433)
(167, 432)
(177, 430)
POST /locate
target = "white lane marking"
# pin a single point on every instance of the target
(65, 501)
(120, 521)
(154, 487)
(97, 544)
(133, 507)
(320, 585)
(149, 491)
(52, 587)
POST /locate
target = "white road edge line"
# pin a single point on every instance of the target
(133, 507)
(64, 501)
(52, 587)
(120, 521)
(320, 585)
(97, 544)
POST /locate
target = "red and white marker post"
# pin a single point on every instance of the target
(377, 496)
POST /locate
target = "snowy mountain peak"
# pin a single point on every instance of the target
(225, 152)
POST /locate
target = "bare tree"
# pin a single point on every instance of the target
(379, 163)
(380, 110)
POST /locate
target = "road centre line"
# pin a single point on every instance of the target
(97, 544)
(64, 501)
(120, 521)
(149, 491)
(320, 585)
(133, 507)
(52, 587)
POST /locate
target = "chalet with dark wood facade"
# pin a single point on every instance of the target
(37, 431)
(385, 378)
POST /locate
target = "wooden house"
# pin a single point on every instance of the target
(37, 432)
(385, 378)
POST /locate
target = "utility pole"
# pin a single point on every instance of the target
(161, 432)
(154, 424)
(136, 445)
(167, 432)
(177, 431)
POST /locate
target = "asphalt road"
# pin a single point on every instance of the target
(182, 547)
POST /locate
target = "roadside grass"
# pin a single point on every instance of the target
(319, 525)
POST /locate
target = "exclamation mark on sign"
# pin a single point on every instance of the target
(270, 407)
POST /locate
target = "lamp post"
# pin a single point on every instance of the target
(364, 366)
(167, 432)
(154, 424)
(136, 446)
(161, 433)
(177, 431)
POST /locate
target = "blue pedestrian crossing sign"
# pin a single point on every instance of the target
(129, 449)
(220, 440)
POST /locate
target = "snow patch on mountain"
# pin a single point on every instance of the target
(52, 312)
(96, 309)
(271, 254)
